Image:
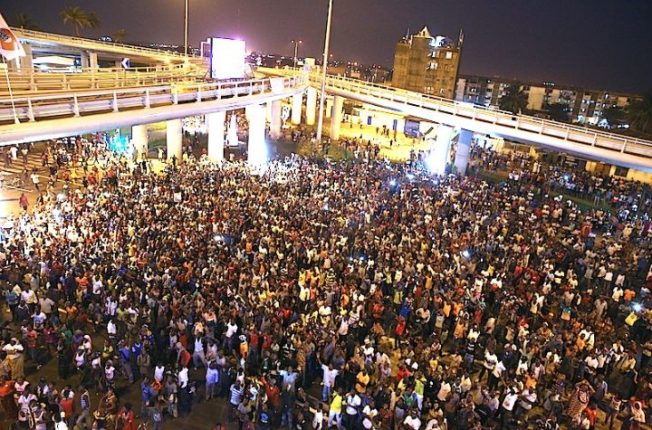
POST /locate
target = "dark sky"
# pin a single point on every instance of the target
(591, 43)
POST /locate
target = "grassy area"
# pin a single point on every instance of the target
(584, 204)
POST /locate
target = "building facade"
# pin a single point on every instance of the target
(584, 106)
(427, 64)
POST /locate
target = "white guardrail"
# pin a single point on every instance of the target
(66, 105)
(98, 45)
(480, 114)
(104, 78)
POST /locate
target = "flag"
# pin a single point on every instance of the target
(10, 47)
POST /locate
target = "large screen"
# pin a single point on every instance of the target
(227, 58)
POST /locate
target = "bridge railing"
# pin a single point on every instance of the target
(75, 104)
(541, 126)
(22, 33)
(97, 79)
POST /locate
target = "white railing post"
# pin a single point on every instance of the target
(595, 139)
(219, 91)
(251, 88)
(624, 146)
(235, 90)
(75, 106)
(199, 93)
(175, 97)
(147, 100)
(30, 110)
(115, 101)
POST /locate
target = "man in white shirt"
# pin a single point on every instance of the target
(183, 377)
(508, 407)
(496, 374)
(412, 420)
(328, 380)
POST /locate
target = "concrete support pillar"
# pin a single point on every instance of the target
(26, 62)
(438, 157)
(297, 105)
(139, 140)
(275, 119)
(462, 153)
(85, 60)
(311, 106)
(92, 60)
(337, 114)
(329, 107)
(174, 139)
(215, 129)
(268, 112)
(257, 148)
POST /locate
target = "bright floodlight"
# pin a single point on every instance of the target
(392, 182)
(227, 58)
(637, 307)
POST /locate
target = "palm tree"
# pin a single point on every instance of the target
(639, 114)
(614, 115)
(514, 100)
(92, 21)
(558, 111)
(120, 35)
(25, 21)
(79, 18)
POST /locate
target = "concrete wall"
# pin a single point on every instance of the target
(379, 118)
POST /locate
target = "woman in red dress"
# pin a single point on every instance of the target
(127, 418)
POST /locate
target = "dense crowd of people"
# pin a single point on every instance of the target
(356, 295)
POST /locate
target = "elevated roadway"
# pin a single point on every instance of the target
(50, 116)
(42, 42)
(584, 142)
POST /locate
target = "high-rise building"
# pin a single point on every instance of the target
(427, 64)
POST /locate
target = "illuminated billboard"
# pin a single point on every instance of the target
(227, 58)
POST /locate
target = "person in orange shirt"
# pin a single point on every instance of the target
(629, 295)
(7, 397)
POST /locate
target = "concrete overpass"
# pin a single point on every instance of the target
(43, 106)
(39, 42)
(587, 143)
(50, 116)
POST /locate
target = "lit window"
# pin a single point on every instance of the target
(449, 55)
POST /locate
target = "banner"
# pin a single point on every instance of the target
(10, 47)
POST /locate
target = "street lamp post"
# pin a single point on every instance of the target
(296, 50)
(185, 31)
(322, 96)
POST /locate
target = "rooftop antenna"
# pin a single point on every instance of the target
(460, 40)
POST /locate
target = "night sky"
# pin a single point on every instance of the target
(597, 44)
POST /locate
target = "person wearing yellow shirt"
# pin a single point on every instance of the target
(419, 388)
(335, 410)
(362, 380)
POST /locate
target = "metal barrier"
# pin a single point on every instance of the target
(97, 79)
(65, 105)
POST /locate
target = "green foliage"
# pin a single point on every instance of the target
(79, 18)
(514, 100)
